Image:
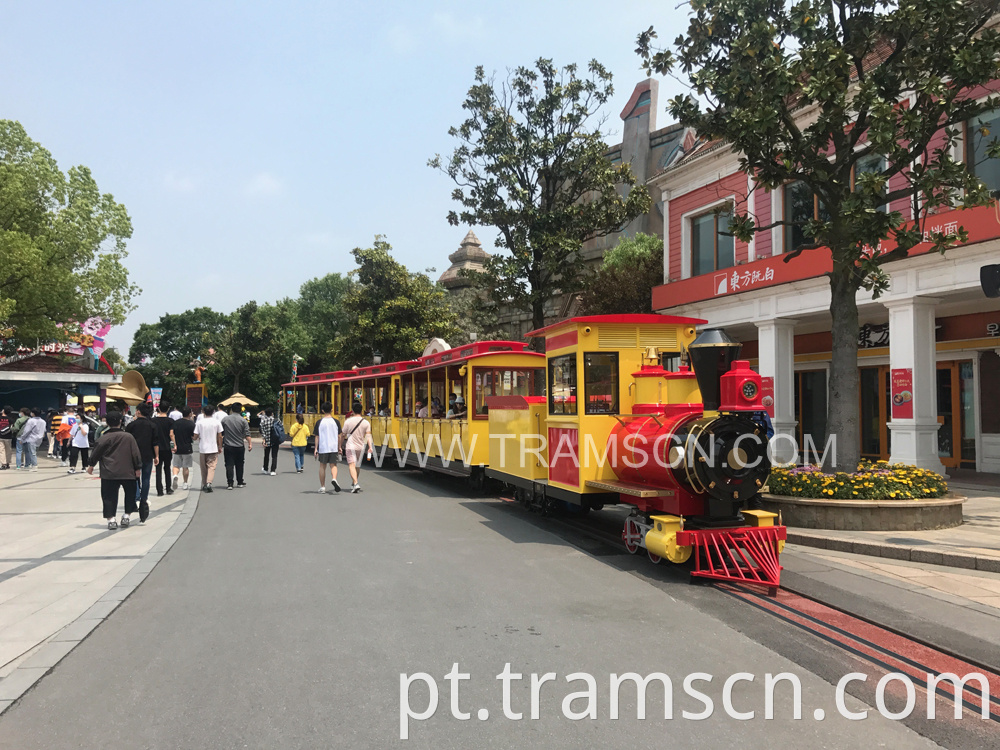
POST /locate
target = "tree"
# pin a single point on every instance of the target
(392, 311)
(244, 348)
(321, 310)
(62, 245)
(531, 161)
(629, 270)
(165, 349)
(813, 92)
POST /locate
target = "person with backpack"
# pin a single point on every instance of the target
(267, 436)
(356, 436)
(299, 433)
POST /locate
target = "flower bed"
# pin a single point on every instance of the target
(872, 481)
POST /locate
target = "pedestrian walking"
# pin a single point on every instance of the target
(79, 444)
(101, 428)
(54, 419)
(66, 421)
(175, 414)
(357, 435)
(235, 432)
(299, 432)
(7, 418)
(165, 426)
(16, 429)
(183, 440)
(267, 438)
(147, 437)
(208, 430)
(31, 436)
(121, 464)
(327, 449)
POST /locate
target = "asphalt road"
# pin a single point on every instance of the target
(283, 618)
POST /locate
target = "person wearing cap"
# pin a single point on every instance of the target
(457, 410)
(421, 410)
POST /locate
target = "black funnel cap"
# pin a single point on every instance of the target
(711, 354)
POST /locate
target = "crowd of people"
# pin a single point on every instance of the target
(128, 449)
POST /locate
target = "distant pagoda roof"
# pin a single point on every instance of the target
(470, 255)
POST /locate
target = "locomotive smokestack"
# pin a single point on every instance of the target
(711, 355)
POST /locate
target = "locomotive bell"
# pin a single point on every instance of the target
(711, 354)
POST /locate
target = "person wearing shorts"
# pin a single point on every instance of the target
(356, 437)
(182, 436)
(327, 447)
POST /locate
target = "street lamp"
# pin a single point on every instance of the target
(376, 358)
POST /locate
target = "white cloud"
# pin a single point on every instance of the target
(264, 183)
(179, 183)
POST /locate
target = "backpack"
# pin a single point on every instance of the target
(278, 435)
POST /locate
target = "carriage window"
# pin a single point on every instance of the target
(600, 382)
(670, 362)
(562, 384)
(407, 396)
(483, 385)
(345, 398)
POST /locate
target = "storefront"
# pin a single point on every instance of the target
(44, 381)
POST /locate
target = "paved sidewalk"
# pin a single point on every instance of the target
(975, 545)
(60, 565)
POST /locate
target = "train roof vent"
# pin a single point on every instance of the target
(616, 337)
(662, 337)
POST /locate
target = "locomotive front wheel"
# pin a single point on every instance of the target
(655, 559)
(632, 547)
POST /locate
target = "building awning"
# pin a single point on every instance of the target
(51, 371)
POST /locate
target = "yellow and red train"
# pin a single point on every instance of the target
(639, 410)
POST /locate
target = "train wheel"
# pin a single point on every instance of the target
(631, 536)
(632, 547)
(655, 559)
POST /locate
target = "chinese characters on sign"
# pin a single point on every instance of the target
(902, 393)
(947, 229)
(738, 281)
(872, 335)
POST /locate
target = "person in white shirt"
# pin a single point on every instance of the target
(209, 434)
(175, 414)
(79, 443)
(327, 449)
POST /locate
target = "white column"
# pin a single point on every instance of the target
(776, 359)
(912, 346)
(665, 202)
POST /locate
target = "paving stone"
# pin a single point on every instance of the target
(49, 654)
(100, 610)
(926, 556)
(17, 683)
(895, 552)
(78, 630)
(958, 561)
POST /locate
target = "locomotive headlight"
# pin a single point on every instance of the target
(749, 390)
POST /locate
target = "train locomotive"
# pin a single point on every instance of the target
(638, 410)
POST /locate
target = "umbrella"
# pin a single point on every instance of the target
(239, 398)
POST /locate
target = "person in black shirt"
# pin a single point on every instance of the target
(147, 435)
(165, 425)
(183, 437)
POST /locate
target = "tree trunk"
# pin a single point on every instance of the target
(236, 383)
(843, 418)
(537, 321)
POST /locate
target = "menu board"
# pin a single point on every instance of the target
(902, 393)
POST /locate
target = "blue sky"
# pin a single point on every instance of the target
(256, 143)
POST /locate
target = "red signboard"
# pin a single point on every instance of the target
(195, 394)
(982, 223)
(767, 395)
(902, 393)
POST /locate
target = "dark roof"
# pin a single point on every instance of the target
(48, 364)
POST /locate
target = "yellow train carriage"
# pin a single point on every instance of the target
(306, 395)
(590, 362)
(433, 412)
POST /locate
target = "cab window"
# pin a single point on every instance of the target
(600, 382)
(562, 384)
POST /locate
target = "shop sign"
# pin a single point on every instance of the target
(993, 329)
(767, 395)
(872, 336)
(902, 393)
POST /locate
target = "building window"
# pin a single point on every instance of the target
(600, 382)
(800, 207)
(980, 133)
(712, 246)
(562, 384)
(871, 164)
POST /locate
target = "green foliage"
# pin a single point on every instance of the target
(531, 161)
(622, 284)
(165, 349)
(62, 245)
(321, 310)
(243, 354)
(872, 481)
(392, 311)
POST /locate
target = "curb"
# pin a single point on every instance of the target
(53, 650)
(897, 552)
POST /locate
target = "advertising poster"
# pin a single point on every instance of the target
(195, 393)
(902, 393)
(155, 395)
(767, 395)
